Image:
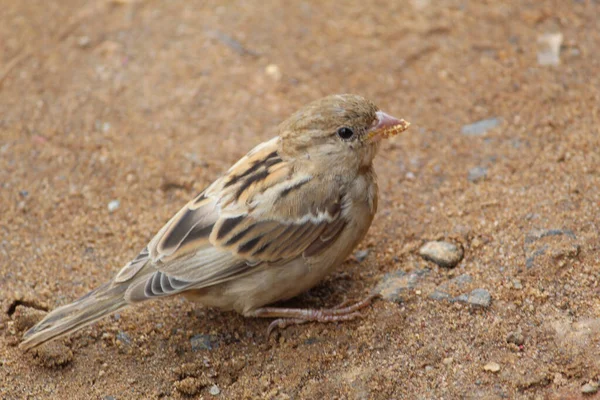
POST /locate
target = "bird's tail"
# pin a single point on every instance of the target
(102, 301)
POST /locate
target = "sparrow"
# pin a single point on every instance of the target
(273, 226)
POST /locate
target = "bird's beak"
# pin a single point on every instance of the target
(386, 126)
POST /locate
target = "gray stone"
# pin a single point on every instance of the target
(214, 390)
(459, 281)
(589, 388)
(480, 298)
(477, 174)
(361, 255)
(123, 338)
(203, 342)
(393, 285)
(444, 254)
(463, 298)
(113, 205)
(439, 295)
(517, 284)
(516, 338)
(480, 127)
(456, 283)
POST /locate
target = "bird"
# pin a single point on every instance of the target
(273, 226)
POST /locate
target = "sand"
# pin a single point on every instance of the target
(140, 104)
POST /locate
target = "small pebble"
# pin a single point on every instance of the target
(123, 338)
(477, 174)
(83, 41)
(549, 48)
(393, 285)
(361, 255)
(589, 388)
(273, 71)
(515, 338)
(492, 367)
(459, 281)
(439, 295)
(480, 127)
(517, 284)
(444, 254)
(113, 205)
(479, 297)
(447, 361)
(214, 390)
(203, 342)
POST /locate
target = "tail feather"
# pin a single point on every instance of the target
(64, 320)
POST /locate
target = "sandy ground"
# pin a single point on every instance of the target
(146, 102)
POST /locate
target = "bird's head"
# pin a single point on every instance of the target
(339, 131)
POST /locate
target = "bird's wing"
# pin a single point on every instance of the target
(260, 213)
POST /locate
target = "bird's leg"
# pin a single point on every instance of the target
(296, 316)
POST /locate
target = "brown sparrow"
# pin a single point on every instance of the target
(272, 227)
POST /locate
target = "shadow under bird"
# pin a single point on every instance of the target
(272, 227)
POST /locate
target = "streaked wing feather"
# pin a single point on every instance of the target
(254, 216)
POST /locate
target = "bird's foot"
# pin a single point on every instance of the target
(297, 316)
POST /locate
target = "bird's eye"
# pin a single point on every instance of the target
(345, 133)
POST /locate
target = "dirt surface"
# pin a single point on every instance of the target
(146, 102)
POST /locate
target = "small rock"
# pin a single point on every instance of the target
(480, 127)
(109, 398)
(447, 361)
(203, 342)
(492, 367)
(459, 281)
(479, 297)
(515, 338)
(113, 205)
(517, 284)
(123, 338)
(439, 295)
(589, 388)
(273, 71)
(549, 48)
(477, 174)
(214, 390)
(393, 285)
(444, 254)
(24, 193)
(361, 255)
(83, 41)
